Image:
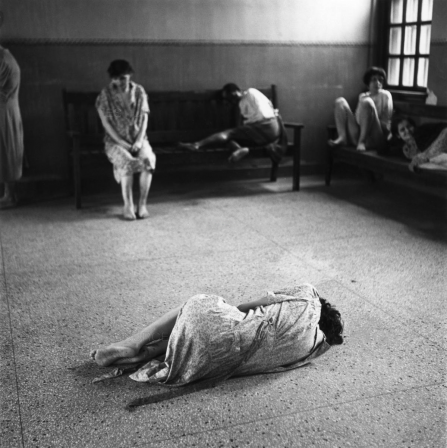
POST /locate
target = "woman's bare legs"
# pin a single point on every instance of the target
(126, 189)
(145, 185)
(347, 127)
(220, 137)
(370, 127)
(135, 348)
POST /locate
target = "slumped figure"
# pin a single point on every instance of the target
(262, 126)
(206, 338)
(123, 108)
(370, 126)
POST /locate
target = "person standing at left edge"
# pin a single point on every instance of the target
(11, 130)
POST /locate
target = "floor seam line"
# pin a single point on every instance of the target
(12, 341)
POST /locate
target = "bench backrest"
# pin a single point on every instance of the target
(174, 116)
(420, 112)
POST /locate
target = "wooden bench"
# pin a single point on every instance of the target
(174, 117)
(389, 163)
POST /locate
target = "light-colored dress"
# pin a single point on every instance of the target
(11, 130)
(214, 340)
(126, 120)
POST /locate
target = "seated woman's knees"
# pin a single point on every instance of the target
(340, 102)
(367, 103)
(223, 136)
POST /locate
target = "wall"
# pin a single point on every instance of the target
(437, 74)
(313, 50)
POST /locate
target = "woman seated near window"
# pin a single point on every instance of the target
(370, 126)
(423, 144)
(206, 338)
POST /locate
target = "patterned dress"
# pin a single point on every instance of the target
(11, 130)
(214, 340)
(126, 120)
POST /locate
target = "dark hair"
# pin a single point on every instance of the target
(119, 67)
(330, 323)
(230, 88)
(373, 71)
(397, 120)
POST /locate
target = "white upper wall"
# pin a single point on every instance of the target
(215, 20)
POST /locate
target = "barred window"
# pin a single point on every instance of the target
(408, 49)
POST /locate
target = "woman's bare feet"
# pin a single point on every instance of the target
(337, 142)
(120, 353)
(129, 214)
(113, 354)
(361, 147)
(143, 212)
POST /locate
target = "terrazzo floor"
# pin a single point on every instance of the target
(71, 280)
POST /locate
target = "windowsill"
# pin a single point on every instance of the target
(409, 96)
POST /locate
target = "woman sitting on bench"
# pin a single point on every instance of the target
(123, 109)
(423, 144)
(370, 127)
(206, 338)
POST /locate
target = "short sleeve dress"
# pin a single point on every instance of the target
(11, 130)
(127, 122)
(214, 340)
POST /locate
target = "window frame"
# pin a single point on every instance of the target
(415, 89)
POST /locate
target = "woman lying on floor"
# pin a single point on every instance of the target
(423, 144)
(206, 338)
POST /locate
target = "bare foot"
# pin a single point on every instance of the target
(147, 353)
(113, 354)
(238, 155)
(190, 146)
(338, 141)
(129, 214)
(142, 212)
(361, 147)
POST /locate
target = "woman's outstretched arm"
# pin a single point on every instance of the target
(303, 291)
(269, 299)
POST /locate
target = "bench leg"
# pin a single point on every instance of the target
(274, 172)
(296, 159)
(329, 166)
(77, 172)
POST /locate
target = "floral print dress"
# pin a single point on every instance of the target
(214, 340)
(126, 120)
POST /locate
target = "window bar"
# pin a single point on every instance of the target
(418, 39)
(402, 44)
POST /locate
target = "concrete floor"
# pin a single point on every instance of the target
(72, 280)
